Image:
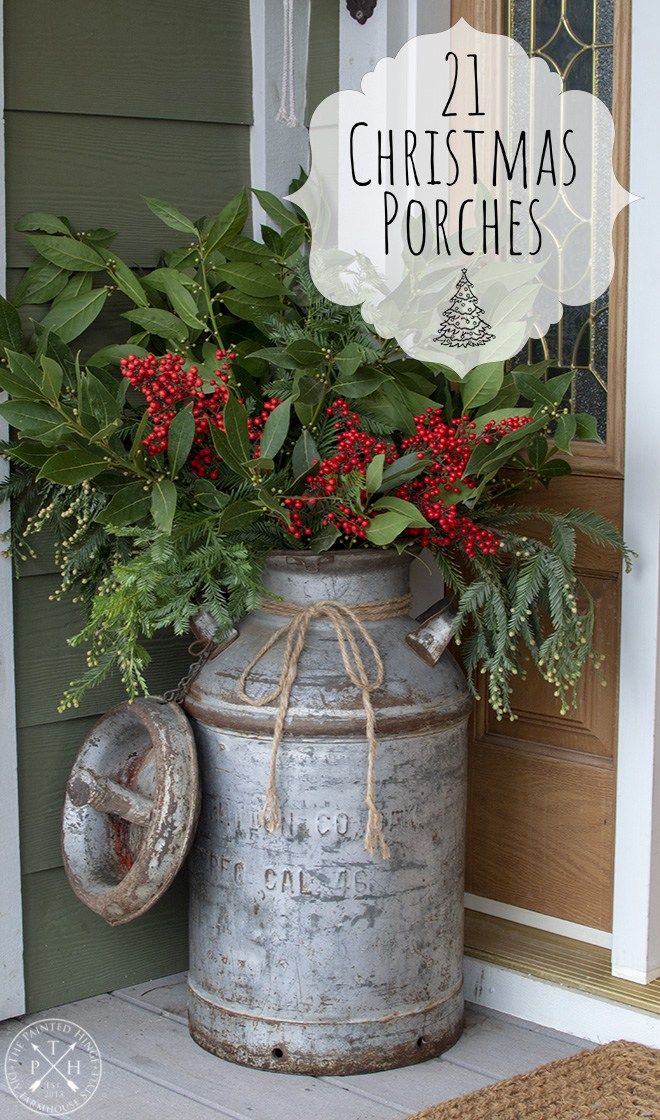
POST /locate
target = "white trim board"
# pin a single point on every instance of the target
(276, 151)
(561, 1009)
(539, 921)
(636, 923)
(12, 989)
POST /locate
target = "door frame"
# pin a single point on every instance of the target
(12, 985)
(636, 922)
(635, 938)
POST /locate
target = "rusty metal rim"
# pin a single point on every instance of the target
(246, 1013)
(158, 719)
(347, 561)
(367, 1061)
(227, 719)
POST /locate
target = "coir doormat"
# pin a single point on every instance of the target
(620, 1081)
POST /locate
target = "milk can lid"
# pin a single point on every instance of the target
(131, 808)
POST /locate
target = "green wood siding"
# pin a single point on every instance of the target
(105, 103)
(96, 170)
(323, 53)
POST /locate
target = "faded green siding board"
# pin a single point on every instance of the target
(45, 757)
(45, 663)
(323, 53)
(70, 953)
(167, 60)
(105, 104)
(96, 170)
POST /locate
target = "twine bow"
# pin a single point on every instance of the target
(349, 628)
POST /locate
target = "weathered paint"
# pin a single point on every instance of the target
(130, 809)
(307, 954)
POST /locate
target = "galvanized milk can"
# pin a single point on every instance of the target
(328, 721)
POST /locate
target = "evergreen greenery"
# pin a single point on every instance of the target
(143, 542)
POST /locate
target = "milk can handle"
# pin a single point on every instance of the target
(434, 630)
(86, 787)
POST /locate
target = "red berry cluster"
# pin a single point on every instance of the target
(448, 447)
(445, 449)
(355, 450)
(256, 423)
(166, 385)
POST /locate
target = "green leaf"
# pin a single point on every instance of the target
(69, 468)
(79, 282)
(161, 278)
(276, 356)
(565, 430)
(540, 393)
(128, 506)
(308, 390)
(44, 223)
(251, 279)
(53, 375)
(276, 430)
(163, 504)
(497, 416)
(486, 460)
(30, 453)
(402, 470)
(386, 527)
(325, 538)
(245, 249)
(112, 355)
(125, 279)
(305, 454)
(374, 476)
(272, 240)
(42, 282)
(23, 379)
(181, 299)
(291, 241)
(586, 427)
(236, 515)
(536, 369)
(161, 323)
(68, 253)
(416, 520)
(273, 504)
(55, 347)
(71, 317)
(234, 461)
(236, 430)
(276, 210)
(101, 236)
(248, 307)
(481, 384)
(98, 407)
(180, 439)
(228, 223)
(554, 468)
(30, 417)
(11, 332)
(537, 451)
(305, 352)
(349, 359)
(361, 384)
(171, 216)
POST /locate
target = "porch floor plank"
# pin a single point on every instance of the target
(152, 1068)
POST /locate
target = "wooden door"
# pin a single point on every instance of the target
(541, 790)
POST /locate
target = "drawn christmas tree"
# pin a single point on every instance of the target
(463, 323)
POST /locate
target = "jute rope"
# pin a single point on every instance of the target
(349, 629)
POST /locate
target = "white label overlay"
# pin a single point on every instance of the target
(462, 197)
(53, 1067)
